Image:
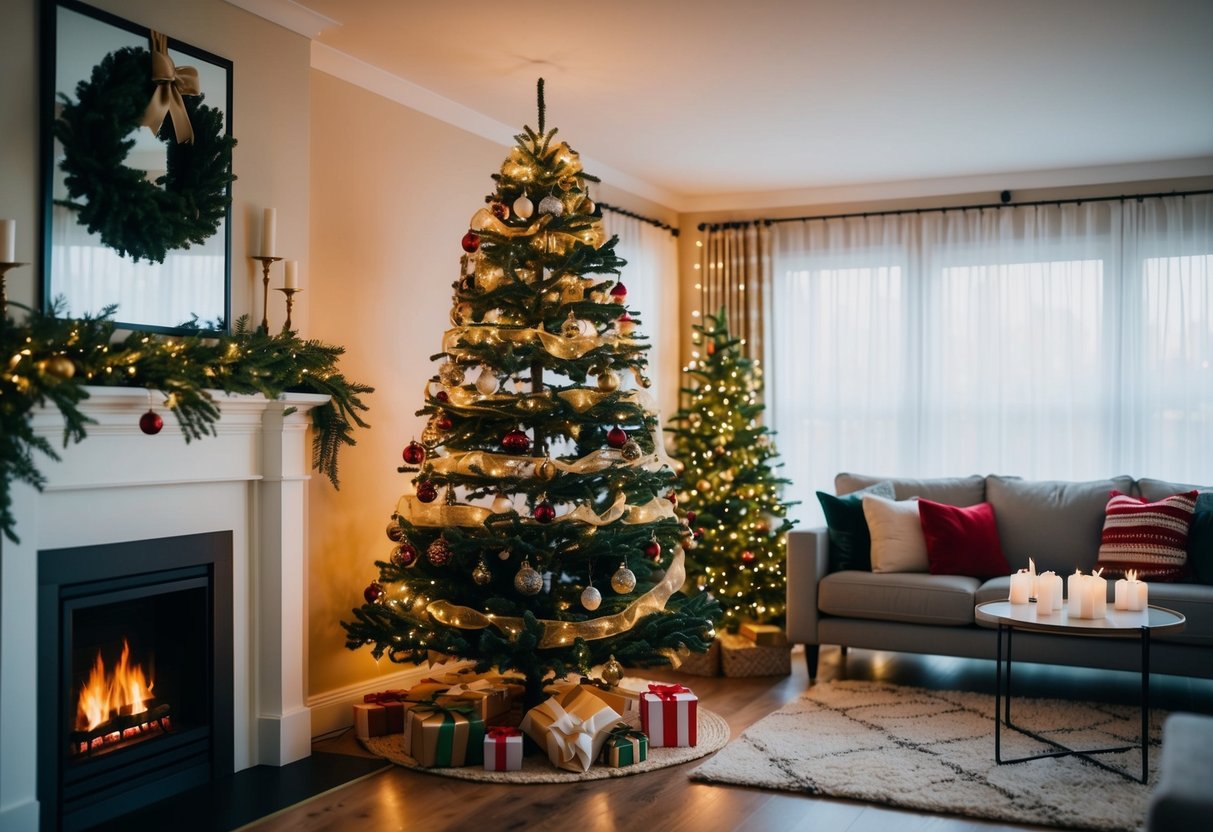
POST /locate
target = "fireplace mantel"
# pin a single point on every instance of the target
(119, 485)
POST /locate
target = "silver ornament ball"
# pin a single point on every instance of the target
(551, 205)
(624, 579)
(591, 598)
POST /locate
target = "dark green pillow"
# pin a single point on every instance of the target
(850, 542)
(1200, 539)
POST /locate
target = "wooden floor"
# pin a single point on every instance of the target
(401, 799)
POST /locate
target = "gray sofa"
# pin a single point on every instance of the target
(1058, 524)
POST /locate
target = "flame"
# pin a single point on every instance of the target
(1131, 575)
(126, 691)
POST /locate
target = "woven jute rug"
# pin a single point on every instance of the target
(713, 734)
(934, 751)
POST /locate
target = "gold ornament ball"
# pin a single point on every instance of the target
(486, 382)
(612, 672)
(624, 579)
(679, 467)
(567, 183)
(481, 574)
(528, 581)
(545, 471)
(608, 381)
(59, 366)
(451, 374)
(703, 486)
(630, 450)
(571, 328)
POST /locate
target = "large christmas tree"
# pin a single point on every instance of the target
(541, 533)
(731, 492)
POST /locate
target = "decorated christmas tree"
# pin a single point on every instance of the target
(730, 492)
(541, 532)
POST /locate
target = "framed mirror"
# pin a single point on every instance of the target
(157, 242)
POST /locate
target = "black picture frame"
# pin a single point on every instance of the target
(72, 273)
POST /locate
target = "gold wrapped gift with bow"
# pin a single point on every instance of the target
(572, 728)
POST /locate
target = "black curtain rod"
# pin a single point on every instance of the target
(1006, 203)
(641, 217)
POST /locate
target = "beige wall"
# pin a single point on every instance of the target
(269, 119)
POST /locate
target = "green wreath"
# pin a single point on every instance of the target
(132, 215)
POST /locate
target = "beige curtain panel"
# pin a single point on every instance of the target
(736, 274)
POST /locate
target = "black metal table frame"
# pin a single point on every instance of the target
(1004, 707)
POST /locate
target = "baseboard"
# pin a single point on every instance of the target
(20, 817)
(334, 710)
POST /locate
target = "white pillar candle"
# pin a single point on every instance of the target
(269, 233)
(1097, 588)
(1074, 592)
(291, 280)
(1021, 587)
(8, 241)
(1131, 594)
(1048, 593)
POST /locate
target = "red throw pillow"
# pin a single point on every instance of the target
(1150, 538)
(962, 541)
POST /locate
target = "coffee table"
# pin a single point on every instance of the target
(1124, 624)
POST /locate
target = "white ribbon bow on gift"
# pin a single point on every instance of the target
(574, 736)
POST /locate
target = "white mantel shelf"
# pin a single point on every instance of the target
(120, 484)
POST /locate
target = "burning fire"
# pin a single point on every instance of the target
(103, 696)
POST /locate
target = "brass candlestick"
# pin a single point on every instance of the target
(290, 304)
(5, 266)
(266, 262)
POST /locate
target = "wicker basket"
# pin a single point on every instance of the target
(741, 657)
(702, 664)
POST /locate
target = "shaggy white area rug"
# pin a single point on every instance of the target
(934, 751)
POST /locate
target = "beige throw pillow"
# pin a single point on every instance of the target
(897, 541)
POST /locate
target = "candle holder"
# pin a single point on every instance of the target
(5, 267)
(266, 262)
(290, 304)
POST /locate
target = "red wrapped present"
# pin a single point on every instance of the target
(393, 704)
(669, 715)
(502, 749)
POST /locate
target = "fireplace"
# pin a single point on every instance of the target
(135, 668)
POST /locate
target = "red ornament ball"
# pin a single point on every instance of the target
(516, 442)
(672, 497)
(426, 492)
(500, 210)
(471, 241)
(404, 555)
(442, 396)
(619, 292)
(747, 556)
(445, 423)
(439, 552)
(394, 532)
(616, 437)
(690, 517)
(414, 453)
(373, 592)
(151, 423)
(652, 549)
(544, 512)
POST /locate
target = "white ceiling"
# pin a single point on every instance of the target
(723, 97)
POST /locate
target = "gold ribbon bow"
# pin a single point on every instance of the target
(172, 82)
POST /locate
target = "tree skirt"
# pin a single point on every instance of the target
(934, 751)
(713, 733)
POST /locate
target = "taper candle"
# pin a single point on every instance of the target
(8, 241)
(291, 280)
(269, 233)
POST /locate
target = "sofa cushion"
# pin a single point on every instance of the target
(955, 491)
(1152, 490)
(1150, 538)
(961, 540)
(912, 597)
(1195, 602)
(850, 543)
(1058, 524)
(1200, 540)
(897, 541)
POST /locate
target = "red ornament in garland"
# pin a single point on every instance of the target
(516, 442)
(373, 592)
(394, 532)
(404, 555)
(442, 396)
(414, 453)
(619, 293)
(544, 512)
(439, 552)
(151, 423)
(500, 210)
(471, 242)
(616, 437)
(747, 556)
(426, 492)
(690, 517)
(672, 497)
(444, 423)
(652, 549)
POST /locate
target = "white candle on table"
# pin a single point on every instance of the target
(8, 241)
(269, 233)
(1074, 592)
(1021, 587)
(1032, 572)
(291, 280)
(1131, 594)
(1098, 588)
(1048, 593)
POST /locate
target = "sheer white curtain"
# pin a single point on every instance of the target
(1069, 341)
(651, 278)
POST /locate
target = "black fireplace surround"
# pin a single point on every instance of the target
(170, 600)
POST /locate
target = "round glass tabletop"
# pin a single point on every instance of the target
(1123, 623)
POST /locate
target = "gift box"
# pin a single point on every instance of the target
(441, 736)
(490, 698)
(669, 715)
(369, 721)
(502, 749)
(624, 702)
(740, 657)
(571, 727)
(625, 746)
(764, 635)
(380, 713)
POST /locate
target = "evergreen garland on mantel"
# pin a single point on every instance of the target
(52, 359)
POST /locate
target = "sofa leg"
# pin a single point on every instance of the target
(811, 652)
(843, 648)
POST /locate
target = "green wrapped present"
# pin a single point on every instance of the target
(440, 735)
(625, 746)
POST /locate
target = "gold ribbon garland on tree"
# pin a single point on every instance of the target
(444, 516)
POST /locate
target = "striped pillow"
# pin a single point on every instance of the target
(1151, 538)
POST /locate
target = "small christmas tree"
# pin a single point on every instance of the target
(541, 533)
(731, 493)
